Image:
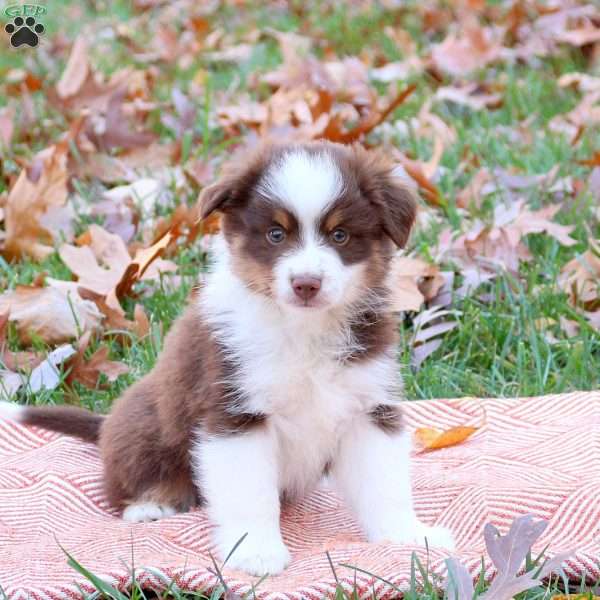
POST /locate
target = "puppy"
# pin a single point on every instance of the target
(282, 368)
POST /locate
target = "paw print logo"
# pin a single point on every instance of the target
(24, 31)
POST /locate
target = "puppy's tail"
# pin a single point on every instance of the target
(69, 420)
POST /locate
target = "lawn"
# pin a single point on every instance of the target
(501, 144)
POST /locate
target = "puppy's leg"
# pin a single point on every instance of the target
(372, 472)
(238, 477)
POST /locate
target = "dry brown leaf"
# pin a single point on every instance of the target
(76, 69)
(434, 439)
(49, 313)
(582, 81)
(408, 278)
(79, 86)
(580, 278)
(45, 376)
(585, 596)
(471, 193)
(500, 244)
(14, 361)
(33, 195)
(144, 260)
(141, 323)
(470, 95)
(103, 265)
(580, 36)
(428, 326)
(415, 169)
(113, 130)
(7, 126)
(459, 55)
(88, 372)
(367, 124)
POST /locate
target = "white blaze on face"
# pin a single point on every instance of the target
(308, 185)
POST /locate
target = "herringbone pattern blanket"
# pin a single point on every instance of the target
(533, 455)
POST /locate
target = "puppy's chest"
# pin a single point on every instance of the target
(310, 396)
(290, 383)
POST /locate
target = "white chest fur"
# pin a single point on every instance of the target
(288, 367)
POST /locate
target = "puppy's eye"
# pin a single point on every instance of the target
(340, 236)
(276, 235)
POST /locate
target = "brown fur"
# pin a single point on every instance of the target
(69, 420)
(145, 443)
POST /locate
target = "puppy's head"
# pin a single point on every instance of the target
(313, 226)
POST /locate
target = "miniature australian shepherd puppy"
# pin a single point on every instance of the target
(282, 368)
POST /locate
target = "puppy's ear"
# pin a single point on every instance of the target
(398, 209)
(397, 206)
(216, 196)
(388, 190)
(239, 177)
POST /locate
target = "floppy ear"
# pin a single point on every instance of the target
(215, 197)
(397, 206)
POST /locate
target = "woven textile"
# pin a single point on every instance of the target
(534, 455)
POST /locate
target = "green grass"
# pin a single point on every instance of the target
(499, 347)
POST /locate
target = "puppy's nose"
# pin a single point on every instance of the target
(306, 287)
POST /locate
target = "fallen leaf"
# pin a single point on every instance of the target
(406, 279)
(113, 130)
(428, 325)
(470, 95)
(14, 361)
(80, 87)
(53, 315)
(103, 265)
(474, 48)
(415, 169)
(459, 581)
(580, 278)
(508, 552)
(501, 243)
(76, 69)
(29, 199)
(7, 127)
(46, 375)
(88, 372)
(434, 439)
(369, 123)
(10, 382)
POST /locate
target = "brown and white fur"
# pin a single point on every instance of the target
(282, 368)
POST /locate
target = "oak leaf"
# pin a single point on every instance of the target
(52, 314)
(103, 264)
(35, 193)
(406, 280)
(88, 372)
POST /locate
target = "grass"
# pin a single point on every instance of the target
(500, 347)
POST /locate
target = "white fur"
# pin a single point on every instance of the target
(289, 367)
(306, 183)
(144, 512)
(371, 471)
(10, 410)
(240, 482)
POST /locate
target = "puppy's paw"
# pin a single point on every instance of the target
(258, 556)
(144, 512)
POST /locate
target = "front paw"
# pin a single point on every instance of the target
(258, 556)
